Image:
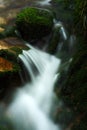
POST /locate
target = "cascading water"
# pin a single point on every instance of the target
(44, 2)
(62, 29)
(32, 104)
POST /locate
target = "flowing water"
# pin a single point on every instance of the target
(44, 2)
(32, 104)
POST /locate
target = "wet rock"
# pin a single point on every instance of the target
(8, 31)
(64, 117)
(34, 23)
(10, 48)
(74, 90)
(11, 42)
(53, 42)
(9, 69)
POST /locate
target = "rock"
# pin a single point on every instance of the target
(9, 72)
(5, 65)
(74, 89)
(53, 42)
(2, 6)
(34, 23)
(11, 42)
(3, 24)
(10, 48)
(1, 29)
(3, 21)
(8, 31)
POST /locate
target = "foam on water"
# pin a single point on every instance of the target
(32, 104)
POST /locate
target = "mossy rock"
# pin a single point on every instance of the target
(9, 59)
(74, 90)
(9, 71)
(34, 23)
(8, 63)
(9, 54)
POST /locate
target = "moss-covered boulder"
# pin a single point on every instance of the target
(34, 23)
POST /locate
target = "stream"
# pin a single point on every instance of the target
(35, 104)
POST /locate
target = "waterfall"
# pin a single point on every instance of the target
(32, 104)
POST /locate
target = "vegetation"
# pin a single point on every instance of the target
(9, 71)
(34, 23)
(10, 59)
(79, 8)
(81, 16)
(74, 87)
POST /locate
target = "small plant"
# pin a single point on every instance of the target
(79, 14)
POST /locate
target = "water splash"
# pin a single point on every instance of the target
(62, 29)
(44, 2)
(31, 107)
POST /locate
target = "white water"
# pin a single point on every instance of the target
(44, 2)
(32, 104)
(62, 29)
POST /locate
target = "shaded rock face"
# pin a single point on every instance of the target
(74, 90)
(54, 40)
(34, 23)
(76, 79)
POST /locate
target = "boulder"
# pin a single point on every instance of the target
(34, 23)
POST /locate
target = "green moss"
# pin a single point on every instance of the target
(8, 55)
(11, 55)
(33, 15)
(34, 23)
(17, 50)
